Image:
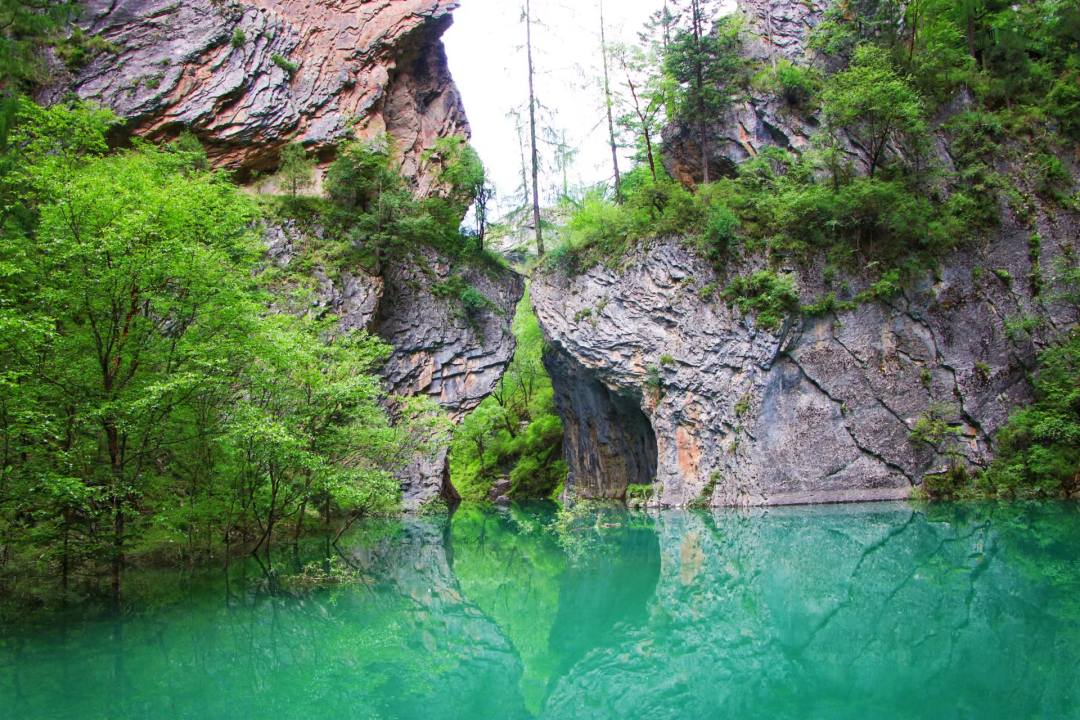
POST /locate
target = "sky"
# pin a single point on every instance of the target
(487, 58)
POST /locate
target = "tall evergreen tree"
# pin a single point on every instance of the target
(702, 60)
(532, 131)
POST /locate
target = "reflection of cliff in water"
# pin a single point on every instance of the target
(854, 612)
(874, 611)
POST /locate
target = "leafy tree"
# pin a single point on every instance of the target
(148, 401)
(876, 107)
(643, 113)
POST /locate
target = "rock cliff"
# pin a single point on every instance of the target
(438, 350)
(249, 76)
(657, 379)
(652, 381)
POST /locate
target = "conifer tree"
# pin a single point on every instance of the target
(701, 60)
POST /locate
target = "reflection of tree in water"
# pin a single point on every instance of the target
(555, 600)
(845, 612)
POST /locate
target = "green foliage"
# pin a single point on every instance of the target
(666, 360)
(770, 296)
(639, 493)
(516, 432)
(296, 172)
(380, 215)
(876, 107)
(1038, 453)
(471, 300)
(149, 404)
(26, 28)
(238, 39)
(288, 66)
(79, 49)
(799, 86)
(936, 425)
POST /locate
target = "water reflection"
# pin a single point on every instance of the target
(843, 612)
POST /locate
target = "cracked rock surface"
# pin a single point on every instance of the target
(820, 410)
(438, 351)
(249, 76)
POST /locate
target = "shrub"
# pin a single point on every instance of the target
(290, 68)
(1039, 448)
(239, 39)
(772, 297)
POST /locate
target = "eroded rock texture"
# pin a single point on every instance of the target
(820, 410)
(249, 76)
(440, 351)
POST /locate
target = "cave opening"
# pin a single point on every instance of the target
(609, 440)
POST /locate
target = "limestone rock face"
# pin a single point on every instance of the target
(781, 28)
(249, 76)
(442, 353)
(823, 409)
(439, 350)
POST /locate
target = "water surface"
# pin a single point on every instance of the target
(876, 611)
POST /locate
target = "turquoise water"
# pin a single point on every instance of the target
(869, 612)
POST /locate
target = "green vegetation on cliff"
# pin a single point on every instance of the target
(516, 433)
(868, 189)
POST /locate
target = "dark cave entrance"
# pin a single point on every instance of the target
(609, 441)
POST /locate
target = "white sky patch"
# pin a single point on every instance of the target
(486, 47)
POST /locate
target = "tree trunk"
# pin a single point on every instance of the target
(971, 33)
(112, 436)
(644, 119)
(532, 132)
(700, 79)
(607, 99)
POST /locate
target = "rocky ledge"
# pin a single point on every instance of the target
(657, 380)
(249, 76)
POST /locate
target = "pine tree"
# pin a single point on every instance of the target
(702, 60)
(532, 130)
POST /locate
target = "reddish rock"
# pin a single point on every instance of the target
(249, 76)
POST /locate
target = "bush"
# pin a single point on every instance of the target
(289, 67)
(772, 297)
(1039, 449)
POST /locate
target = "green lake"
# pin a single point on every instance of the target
(870, 612)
